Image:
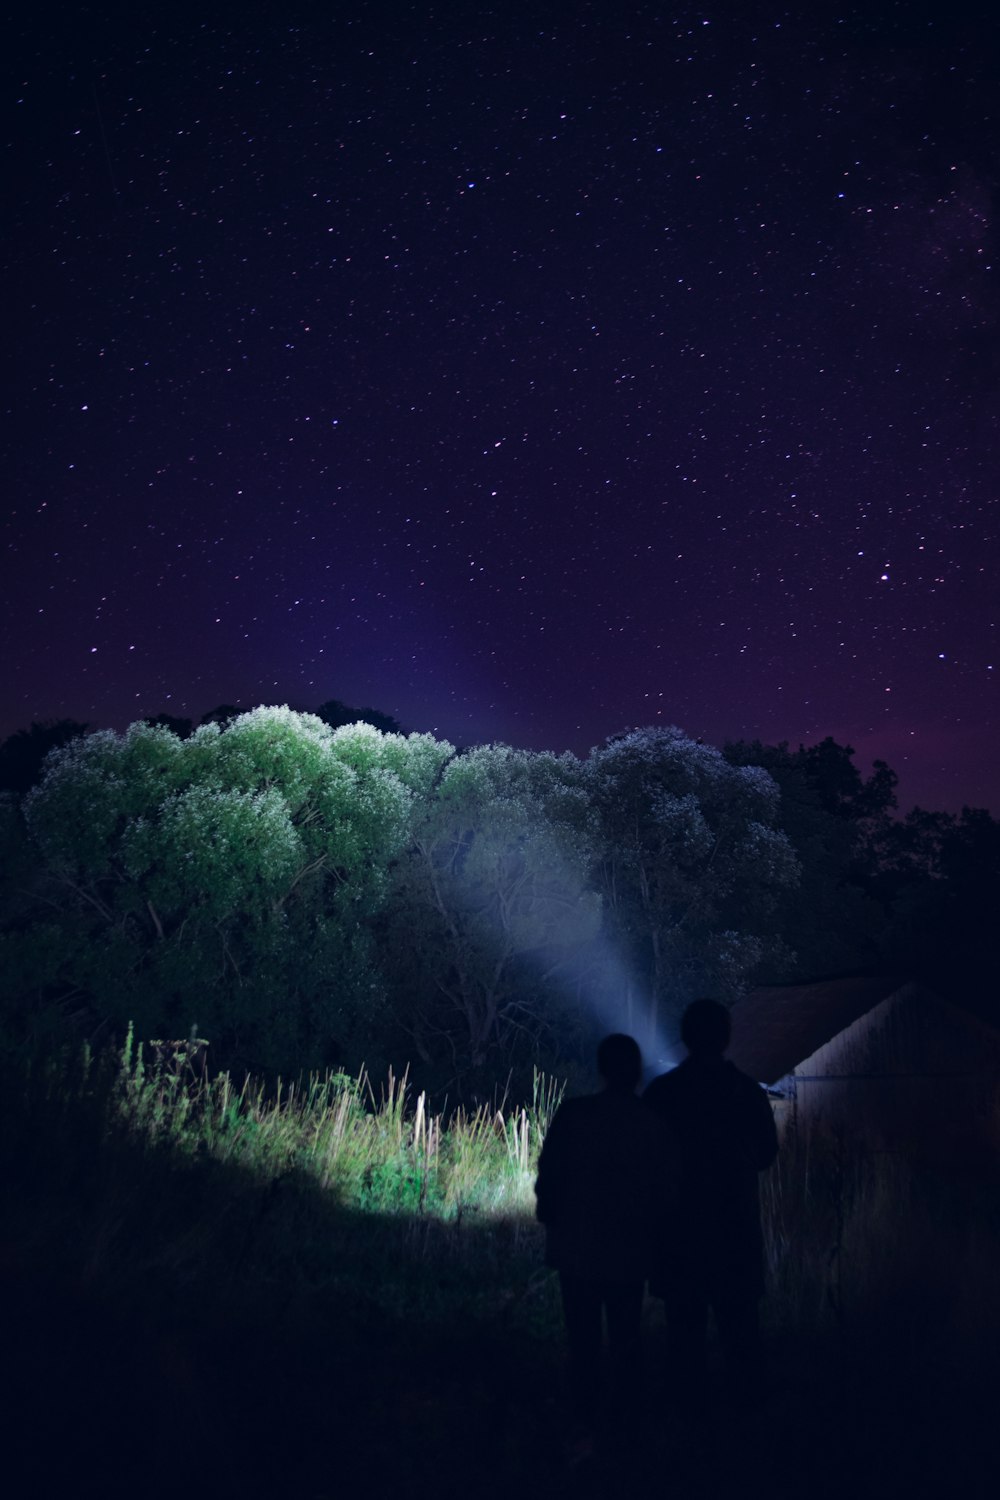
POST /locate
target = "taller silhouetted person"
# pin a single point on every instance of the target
(603, 1188)
(725, 1133)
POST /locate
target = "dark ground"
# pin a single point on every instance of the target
(109, 1406)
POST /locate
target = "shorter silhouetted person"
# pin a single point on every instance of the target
(601, 1178)
(713, 1258)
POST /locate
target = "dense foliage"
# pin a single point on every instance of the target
(308, 894)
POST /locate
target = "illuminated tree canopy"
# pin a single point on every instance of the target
(226, 880)
(309, 895)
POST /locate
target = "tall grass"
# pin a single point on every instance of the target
(335, 1183)
(137, 1178)
(294, 1277)
(379, 1151)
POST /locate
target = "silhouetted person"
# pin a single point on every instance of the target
(600, 1193)
(724, 1129)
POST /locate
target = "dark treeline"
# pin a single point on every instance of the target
(320, 889)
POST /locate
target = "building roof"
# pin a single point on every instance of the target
(778, 1026)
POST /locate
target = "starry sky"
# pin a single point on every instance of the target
(526, 371)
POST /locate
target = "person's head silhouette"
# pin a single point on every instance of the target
(619, 1062)
(705, 1028)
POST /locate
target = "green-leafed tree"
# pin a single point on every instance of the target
(229, 880)
(489, 906)
(691, 869)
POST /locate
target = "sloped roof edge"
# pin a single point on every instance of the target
(776, 1027)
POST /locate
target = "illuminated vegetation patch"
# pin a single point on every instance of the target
(375, 1151)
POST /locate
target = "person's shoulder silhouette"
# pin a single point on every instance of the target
(716, 1112)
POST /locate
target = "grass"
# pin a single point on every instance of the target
(169, 1174)
(294, 1284)
(275, 1285)
(375, 1152)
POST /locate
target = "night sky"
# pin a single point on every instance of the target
(525, 371)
